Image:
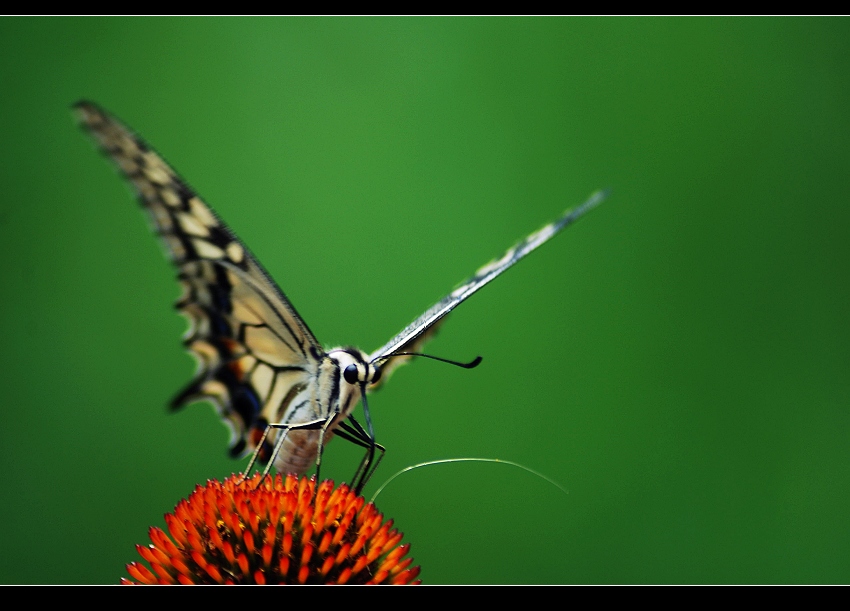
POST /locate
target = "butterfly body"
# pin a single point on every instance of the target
(329, 393)
(282, 395)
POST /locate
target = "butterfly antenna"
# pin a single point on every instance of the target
(470, 365)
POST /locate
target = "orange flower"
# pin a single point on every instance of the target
(274, 532)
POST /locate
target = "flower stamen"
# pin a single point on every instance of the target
(252, 531)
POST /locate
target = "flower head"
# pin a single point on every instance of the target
(275, 531)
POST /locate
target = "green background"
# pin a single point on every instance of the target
(678, 359)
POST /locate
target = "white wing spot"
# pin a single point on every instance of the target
(216, 389)
(535, 239)
(205, 350)
(192, 226)
(235, 252)
(170, 198)
(207, 250)
(198, 209)
(493, 265)
(247, 362)
(157, 175)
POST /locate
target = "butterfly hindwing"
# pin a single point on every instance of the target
(254, 351)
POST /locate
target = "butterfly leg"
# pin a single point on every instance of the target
(256, 454)
(284, 428)
(357, 435)
(371, 463)
(321, 447)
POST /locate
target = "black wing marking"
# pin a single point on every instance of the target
(414, 335)
(253, 349)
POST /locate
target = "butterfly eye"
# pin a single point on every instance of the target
(350, 374)
(377, 375)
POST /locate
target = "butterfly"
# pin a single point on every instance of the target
(281, 393)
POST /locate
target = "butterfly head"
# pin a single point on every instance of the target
(355, 367)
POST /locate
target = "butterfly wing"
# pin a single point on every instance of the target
(254, 351)
(414, 335)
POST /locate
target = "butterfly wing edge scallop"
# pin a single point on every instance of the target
(251, 346)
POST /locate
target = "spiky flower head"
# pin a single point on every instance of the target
(274, 531)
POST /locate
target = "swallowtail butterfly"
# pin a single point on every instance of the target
(282, 394)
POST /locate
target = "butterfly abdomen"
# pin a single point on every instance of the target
(327, 394)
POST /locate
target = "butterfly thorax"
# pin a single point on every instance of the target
(336, 388)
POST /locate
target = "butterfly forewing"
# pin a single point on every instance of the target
(255, 353)
(420, 330)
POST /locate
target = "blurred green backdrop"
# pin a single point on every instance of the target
(678, 360)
